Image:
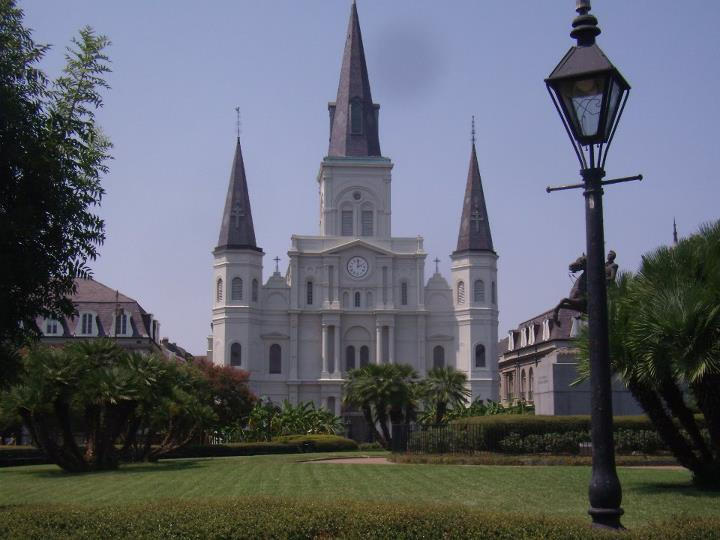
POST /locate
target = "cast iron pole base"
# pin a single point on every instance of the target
(604, 492)
(606, 518)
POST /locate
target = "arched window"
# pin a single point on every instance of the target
(403, 293)
(349, 358)
(275, 358)
(364, 356)
(523, 384)
(531, 383)
(479, 290)
(235, 355)
(346, 225)
(219, 290)
(366, 222)
(479, 355)
(494, 293)
(461, 292)
(331, 404)
(438, 356)
(86, 324)
(369, 300)
(346, 300)
(121, 323)
(356, 114)
(309, 290)
(357, 299)
(254, 290)
(237, 289)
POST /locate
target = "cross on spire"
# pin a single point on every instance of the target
(437, 267)
(237, 121)
(277, 264)
(237, 213)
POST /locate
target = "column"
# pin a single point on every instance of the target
(324, 373)
(391, 344)
(294, 346)
(378, 344)
(336, 352)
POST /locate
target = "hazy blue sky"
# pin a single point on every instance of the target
(180, 67)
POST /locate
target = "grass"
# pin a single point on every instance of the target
(649, 494)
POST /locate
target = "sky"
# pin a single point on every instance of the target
(181, 67)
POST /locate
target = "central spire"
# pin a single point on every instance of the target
(354, 116)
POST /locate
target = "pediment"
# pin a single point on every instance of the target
(356, 243)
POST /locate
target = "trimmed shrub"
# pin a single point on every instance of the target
(21, 455)
(289, 444)
(520, 434)
(367, 446)
(284, 518)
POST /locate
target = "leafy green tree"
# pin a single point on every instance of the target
(90, 387)
(445, 388)
(664, 326)
(384, 393)
(52, 157)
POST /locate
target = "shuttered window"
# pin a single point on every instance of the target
(367, 222)
(347, 223)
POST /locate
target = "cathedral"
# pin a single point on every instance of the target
(353, 294)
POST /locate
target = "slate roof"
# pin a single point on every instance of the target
(354, 87)
(559, 332)
(236, 229)
(474, 234)
(95, 297)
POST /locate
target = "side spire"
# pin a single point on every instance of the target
(474, 232)
(236, 230)
(354, 116)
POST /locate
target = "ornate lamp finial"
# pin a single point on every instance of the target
(585, 28)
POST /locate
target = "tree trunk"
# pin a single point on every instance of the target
(676, 403)
(668, 431)
(69, 447)
(440, 410)
(367, 414)
(707, 395)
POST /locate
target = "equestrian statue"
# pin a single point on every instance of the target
(577, 299)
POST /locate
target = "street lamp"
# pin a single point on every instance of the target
(589, 94)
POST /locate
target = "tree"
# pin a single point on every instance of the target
(52, 156)
(92, 387)
(384, 393)
(664, 325)
(444, 388)
(231, 400)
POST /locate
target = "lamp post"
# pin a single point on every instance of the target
(589, 94)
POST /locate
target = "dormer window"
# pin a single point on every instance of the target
(523, 337)
(511, 340)
(531, 334)
(53, 327)
(87, 325)
(356, 117)
(546, 330)
(121, 323)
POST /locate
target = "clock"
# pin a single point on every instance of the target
(357, 267)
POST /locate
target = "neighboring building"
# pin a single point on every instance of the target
(103, 312)
(538, 363)
(353, 294)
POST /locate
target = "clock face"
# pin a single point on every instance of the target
(357, 267)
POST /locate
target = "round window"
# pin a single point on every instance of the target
(357, 196)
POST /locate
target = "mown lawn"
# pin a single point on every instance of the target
(649, 494)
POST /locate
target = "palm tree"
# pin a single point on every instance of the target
(383, 393)
(665, 337)
(445, 388)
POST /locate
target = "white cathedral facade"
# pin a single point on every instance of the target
(353, 294)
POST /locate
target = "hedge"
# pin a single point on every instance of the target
(528, 434)
(284, 518)
(494, 458)
(289, 444)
